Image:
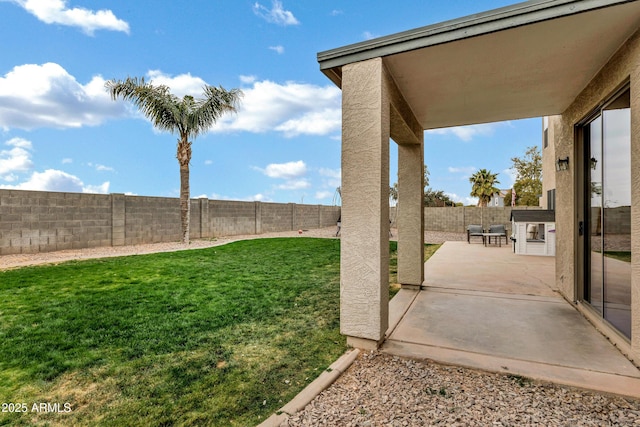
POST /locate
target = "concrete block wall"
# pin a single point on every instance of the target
(456, 219)
(33, 221)
(278, 217)
(307, 217)
(230, 218)
(445, 219)
(617, 220)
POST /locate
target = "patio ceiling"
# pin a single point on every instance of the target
(527, 60)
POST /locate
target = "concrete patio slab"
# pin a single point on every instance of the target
(462, 265)
(500, 313)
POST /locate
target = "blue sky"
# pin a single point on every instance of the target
(60, 131)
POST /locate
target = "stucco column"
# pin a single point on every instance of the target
(364, 255)
(566, 209)
(410, 218)
(408, 133)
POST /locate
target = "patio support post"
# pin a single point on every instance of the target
(410, 215)
(364, 256)
(407, 132)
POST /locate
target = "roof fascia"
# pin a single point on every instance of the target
(513, 16)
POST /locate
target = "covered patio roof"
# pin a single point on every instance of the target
(526, 60)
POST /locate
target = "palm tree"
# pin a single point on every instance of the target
(188, 117)
(484, 186)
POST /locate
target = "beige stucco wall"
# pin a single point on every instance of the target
(373, 111)
(549, 160)
(364, 259)
(623, 67)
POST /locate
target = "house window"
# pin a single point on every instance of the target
(551, 199)
(535, 232)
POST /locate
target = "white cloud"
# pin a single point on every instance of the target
(464, 170)
(467, 133)
(259, 198)
(99, 189)
(294, 184)
(291, 108)
(320, 195)
(291, 172)
(254, 198)
(15, 159)
(333, 176)
(67, 161)
(57, 12)
(312, 123)
(248, 79)
(208, 162)
(180, 85)
(103, 168)
(56, 180)
(278, 49)
(34, 96)
(367, 35)
(512, 174)
(275, 15)
(18, 159)
(332, 173)
(468, 200)
(336, 12)
(287, 170)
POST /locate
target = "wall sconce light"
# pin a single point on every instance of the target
(594, 163)
(562, 164)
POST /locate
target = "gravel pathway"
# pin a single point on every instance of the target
(384, 390)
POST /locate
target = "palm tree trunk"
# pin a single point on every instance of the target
(185, 203)
(184, 158)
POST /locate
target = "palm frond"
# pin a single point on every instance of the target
(155, 102)
(217, 102)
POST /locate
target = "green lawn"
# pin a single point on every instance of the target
(219, 336)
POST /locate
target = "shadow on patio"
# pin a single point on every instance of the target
(487, 308)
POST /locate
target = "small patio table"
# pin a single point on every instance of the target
(490, 235)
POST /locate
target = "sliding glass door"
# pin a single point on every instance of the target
(607, 164)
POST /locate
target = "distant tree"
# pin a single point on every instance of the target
(393, 192)
(188, 117)
(528, 183)
(507, 197)
(483, 186)
(437, 198)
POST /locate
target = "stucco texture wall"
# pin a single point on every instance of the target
(622, 68)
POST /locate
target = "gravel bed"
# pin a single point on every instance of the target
(22, 260)
(384, 390)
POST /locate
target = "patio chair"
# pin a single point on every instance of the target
(498, 229)
(474, 231)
